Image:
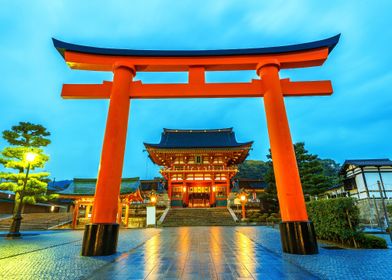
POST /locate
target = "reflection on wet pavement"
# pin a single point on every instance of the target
(201, 253)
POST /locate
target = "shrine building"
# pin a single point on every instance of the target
(198, 165)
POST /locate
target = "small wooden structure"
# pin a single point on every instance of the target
(81, 192)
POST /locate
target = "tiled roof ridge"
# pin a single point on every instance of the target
(374, 159)
(174, 130)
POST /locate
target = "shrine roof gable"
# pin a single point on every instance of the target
(329, 43)
(191, 139)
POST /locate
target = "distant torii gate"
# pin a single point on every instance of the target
(297, 232)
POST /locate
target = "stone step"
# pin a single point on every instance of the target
(198, 217)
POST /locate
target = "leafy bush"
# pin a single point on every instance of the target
(334, 219)
(368, 241)
(389, 210)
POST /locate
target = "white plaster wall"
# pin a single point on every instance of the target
(360, 186)
(371, 179)
(387, 178)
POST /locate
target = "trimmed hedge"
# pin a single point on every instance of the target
(258, 217)
(368, 241)
(337, 220)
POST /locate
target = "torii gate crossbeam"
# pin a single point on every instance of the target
(297, 232)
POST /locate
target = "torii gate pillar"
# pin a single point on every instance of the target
(297, 232)
(100, 237)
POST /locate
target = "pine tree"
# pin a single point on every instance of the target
(316, 174)
(28, 187)
(27, 135)
(252, 169)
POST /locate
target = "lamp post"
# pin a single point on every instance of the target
(153, 198)
(151, 210)
(15, 226)
(243, 196)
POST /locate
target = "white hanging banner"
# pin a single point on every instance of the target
(151, 216)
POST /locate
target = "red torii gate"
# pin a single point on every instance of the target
(297, 232)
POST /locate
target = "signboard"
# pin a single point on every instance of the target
(151, 217)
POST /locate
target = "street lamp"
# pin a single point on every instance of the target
(151, 210)
(153, 199)
(243, 196)
(15, 226)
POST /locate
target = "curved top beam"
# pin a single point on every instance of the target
(63, 47)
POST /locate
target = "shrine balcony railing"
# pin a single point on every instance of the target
(201, 170)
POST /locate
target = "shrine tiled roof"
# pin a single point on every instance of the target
(245, 183)
(87, 186)
(365, 162)
(369, 162)
(202, 138)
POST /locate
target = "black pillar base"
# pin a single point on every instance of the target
(100, 239)
(13, 235)
(298, 238)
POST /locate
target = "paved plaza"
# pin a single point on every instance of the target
(185, 253)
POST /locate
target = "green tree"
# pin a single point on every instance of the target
(252, 169)
(28, 187)
(27, 135)
(316, 174)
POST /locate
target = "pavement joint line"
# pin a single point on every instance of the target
(120, 257)
(279, 255)
(40, 249)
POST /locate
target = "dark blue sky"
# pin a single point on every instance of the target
(355, 122)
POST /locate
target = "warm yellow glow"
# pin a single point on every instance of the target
(184, 189)
(153, 199)
(243, 197)
(214, 189)
(52, 208)
(30, 156)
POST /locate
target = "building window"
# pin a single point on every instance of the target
(198, 159)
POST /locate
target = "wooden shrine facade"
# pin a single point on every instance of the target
(198, 165)
(81, 194)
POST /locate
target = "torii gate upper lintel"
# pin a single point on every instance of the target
(297, 231)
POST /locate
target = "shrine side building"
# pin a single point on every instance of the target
(198, 165)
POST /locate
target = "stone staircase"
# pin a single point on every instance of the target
(38, 221)
(179, 217)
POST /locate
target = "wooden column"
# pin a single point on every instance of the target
(288, 183)
(112, 157)
(119, 213)
(227, 185)
(297, 232)
(213, 197)
(75, 214)
(127, 214)
(169, 187)
(87, 211)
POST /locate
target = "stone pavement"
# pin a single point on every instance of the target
(330, 264)
(185, 253)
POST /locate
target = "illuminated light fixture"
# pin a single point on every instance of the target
(52, 208)
(184, 189)
(243, 197)
(30, 156)
(214, 189)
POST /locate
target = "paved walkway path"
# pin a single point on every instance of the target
(201, 253)
(185, 253)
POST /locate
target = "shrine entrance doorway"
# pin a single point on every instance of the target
(199, 197)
